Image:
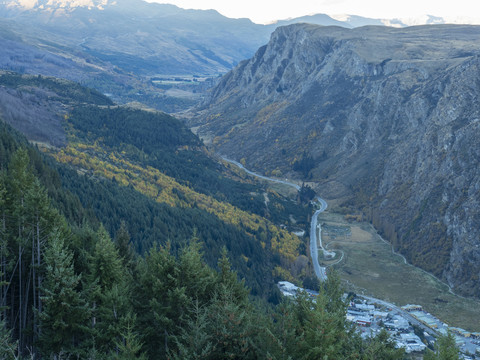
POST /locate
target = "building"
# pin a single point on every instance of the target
(411, 343)
(461, 332)
(396, 323)
(424, 318)
(287, 288)
(364, 307)
(377, 314)
(475, 335)
(410, 307)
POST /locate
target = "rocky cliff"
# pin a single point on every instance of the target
(387, 120)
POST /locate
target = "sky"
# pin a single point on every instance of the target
(266, 11)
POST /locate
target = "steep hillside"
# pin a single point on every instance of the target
(155, 54)
(385, 119)
(148, 170)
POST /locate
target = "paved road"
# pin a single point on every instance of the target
(320, 271)
(402, 312)
(260, 176)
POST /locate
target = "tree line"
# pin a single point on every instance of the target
(74, 293)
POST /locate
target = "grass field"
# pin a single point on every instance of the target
(369, 266)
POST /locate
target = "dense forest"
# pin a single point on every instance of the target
(148, 170)
(91, 268)
(70, 291)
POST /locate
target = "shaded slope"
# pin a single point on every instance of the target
(148, 170)
(386, 118)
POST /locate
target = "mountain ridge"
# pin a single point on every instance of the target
(383, 119)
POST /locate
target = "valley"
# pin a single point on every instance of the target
(173, 170)
(384, 126)
(368, 265)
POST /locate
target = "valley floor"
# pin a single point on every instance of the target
(370, 267)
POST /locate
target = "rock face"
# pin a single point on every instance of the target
(387, 120)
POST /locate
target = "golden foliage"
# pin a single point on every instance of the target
(165, 189)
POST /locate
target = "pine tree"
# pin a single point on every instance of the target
(7, 346)
(41, 219)
(221, 325)
(111, 295)
(445, 349)
(65, 312)
(20, 180)
(195, 341)
(106, 264)
(228, 278)
(195, 276)
(382, 347)
(3, 246)
(317, 328)
(129, 347)
(232, 326)
(159, 301)
(124, 247)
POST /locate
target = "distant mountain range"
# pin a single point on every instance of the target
(120, 47)
(148, 38)
(385, 120)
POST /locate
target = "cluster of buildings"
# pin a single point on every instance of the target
(371, 316)
(468, 342)
(375, 318)
(289, 289)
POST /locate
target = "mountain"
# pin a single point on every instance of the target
(147, 170)
(384, 120)
(158, 55)
(155, 54)
(141, 37)
(83, 294)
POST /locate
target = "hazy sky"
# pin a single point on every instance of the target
(264, 11)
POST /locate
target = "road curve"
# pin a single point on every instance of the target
(320, 271)
(236, 163)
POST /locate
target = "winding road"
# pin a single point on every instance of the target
(315, 244)
(320, 271)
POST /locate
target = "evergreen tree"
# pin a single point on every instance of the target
(7, 346)
(233, 327)
(310, 328)
(195, 276)
(222, 326)
(129, 347)
(194, 341)
(41, 219)
(228, 278)
(159, 301)
(65, 312)
(111, 295)
(20, 180)
(3, 246)
(445, 349)
(106, 265)
(382, 347)
(124, 247)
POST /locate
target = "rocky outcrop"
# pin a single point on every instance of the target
(390, 118)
